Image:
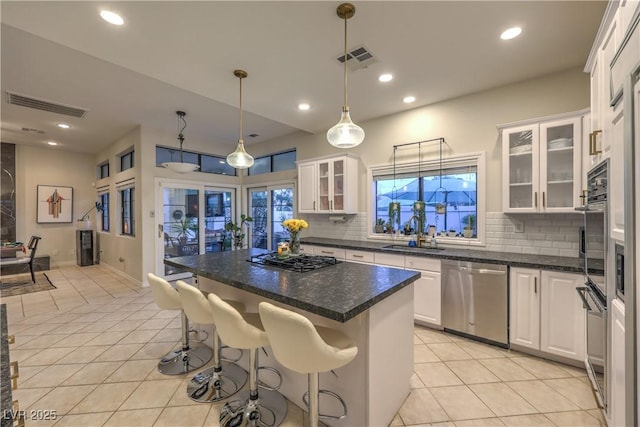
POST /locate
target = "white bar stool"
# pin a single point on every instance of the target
(301, 346)
(191, 356)
(220, 381)
(266, 407)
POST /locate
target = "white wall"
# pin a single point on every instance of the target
(50, 166)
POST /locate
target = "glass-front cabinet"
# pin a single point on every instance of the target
(542, 166)
(328, 185)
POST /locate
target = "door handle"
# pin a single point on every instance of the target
(581, 290)
(160, 230)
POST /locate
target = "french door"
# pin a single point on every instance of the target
(190, 219)
(269, 206)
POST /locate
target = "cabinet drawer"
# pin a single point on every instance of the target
(421, 263)
(390, 260)
(307, 249)
(359, 256)
(334, 252)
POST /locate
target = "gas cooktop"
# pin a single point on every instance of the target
(300, 263)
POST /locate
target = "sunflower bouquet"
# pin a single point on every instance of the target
(294, 227)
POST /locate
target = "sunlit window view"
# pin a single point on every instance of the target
(269, 208)
(450, 202)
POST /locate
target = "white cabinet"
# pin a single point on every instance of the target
(359, 257)
(328, 185)
(524, 304)
(306, 187)
(542, 165)
(562, 316)
(427, 290)
(337, 253)
(546, 313)
(617, 397)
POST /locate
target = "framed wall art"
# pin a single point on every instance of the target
(55, 204)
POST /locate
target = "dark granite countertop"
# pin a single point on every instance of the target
(544, 262)
(338, 292)
(6, 397)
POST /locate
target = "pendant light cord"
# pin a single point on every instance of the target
(180, 134)
(345, 66)
(394, 190)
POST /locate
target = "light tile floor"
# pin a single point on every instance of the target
(89, 350)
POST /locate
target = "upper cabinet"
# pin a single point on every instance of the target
(542, 165)
(328, 185)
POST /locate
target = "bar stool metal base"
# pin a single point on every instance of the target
(209, 386)
(180, 362)
(269, 410)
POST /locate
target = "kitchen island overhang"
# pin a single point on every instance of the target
(372, 305)
(339, 292)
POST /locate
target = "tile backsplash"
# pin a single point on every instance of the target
(545, 234)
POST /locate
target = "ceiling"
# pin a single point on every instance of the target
(179, 55)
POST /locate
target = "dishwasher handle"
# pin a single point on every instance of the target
(472, 270)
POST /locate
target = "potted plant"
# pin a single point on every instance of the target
(237, 231)
(452, 232)
(394, 215)
(469, 222)
(184, 227)
(388, 227)
(379, 225)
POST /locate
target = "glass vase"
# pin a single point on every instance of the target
(294, 244)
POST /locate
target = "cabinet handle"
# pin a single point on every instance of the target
(357, 256)
(584, 197)
(535, 285)
(11, 339)
(332, 205)
(15, 375)
(314, 205)
(544, 203)
(593, 146)
(535, 196)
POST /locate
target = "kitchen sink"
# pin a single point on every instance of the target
(413, 248)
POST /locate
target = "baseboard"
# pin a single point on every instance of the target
(122, 274)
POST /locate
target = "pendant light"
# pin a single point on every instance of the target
(181, 166)
(240, 159)
(345, 134)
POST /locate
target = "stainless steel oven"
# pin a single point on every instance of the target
(594, 293)
(596, 362)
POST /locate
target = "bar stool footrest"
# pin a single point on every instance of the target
(180, 362)
(305, 400)
(264, 385)
(209, 386)
(269, 410)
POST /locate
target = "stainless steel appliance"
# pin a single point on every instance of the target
(84, 247)
(620, 271)
(475, 301)
(594, 293)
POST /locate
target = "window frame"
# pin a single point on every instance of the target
(200, 156)
(127, 154)
(101, 168)
(271, 158)
(477, 159)
(131, 232)
(105, 212)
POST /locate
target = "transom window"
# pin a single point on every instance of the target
(273, 163)
(126, 161)
(208, 164)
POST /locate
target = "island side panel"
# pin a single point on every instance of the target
(390, 356)
(350, 381)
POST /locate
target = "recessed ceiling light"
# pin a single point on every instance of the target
(303, 107)
(63, 125)
(52, 143)
(111, 17)
(511, 33)
(408, 99)
(385, 77)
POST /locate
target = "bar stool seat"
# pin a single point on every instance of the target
(223, 379)
(191, 356)
(265, 407)
(301, 346)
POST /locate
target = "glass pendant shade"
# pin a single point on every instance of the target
(240, 159)
(345, 134)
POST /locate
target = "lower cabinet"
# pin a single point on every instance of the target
(427, 305)
(546, 312)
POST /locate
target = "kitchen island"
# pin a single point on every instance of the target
(373, 305)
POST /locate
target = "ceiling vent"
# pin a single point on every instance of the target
(40, 104)
(33, 130)
(358, 58)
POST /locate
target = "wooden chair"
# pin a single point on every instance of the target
(26, 260)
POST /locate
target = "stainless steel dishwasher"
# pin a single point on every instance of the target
(475, 300)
